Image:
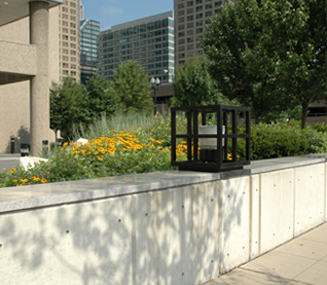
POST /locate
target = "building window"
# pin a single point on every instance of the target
(198, 9)
(190, 18)
(209, 14)
(208, 6)
(180, 6)
(181, 13)
(199, 16)
(190, 25)
(190, 32)
(198, 2)
(181, 34)
(181, 27)
(189, 3)
(189, 10)
(180, 20)
(199, 30)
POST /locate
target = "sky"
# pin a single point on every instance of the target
(114, 12)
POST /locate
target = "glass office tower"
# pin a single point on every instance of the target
(89, 33)
(150, 41)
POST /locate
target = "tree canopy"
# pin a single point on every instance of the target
(130, 86)
(194, 85)
(269, 54)
(101, 100)
(69, 106)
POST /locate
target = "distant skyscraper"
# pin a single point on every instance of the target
(190, 20)
(69, 55)
(89, 33)
(150, 41)
(81, 11)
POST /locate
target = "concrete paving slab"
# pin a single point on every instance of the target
(315, 274)
(280, 264)
(318, 234)
(242, 276)
(305, 248)
(323, 227)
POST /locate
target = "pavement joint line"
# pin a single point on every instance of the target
(294, 254)
(305, 270)
(278, 276)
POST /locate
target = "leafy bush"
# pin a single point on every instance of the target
(285, 139)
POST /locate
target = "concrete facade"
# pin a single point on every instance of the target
(150, 41)
(173, 227)
(69, 48)
(20, 63)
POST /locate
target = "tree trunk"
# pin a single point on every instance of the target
(305, 108)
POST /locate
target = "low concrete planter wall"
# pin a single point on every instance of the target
(157, 228)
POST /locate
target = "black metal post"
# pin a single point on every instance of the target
(12, 145)
(45, 147)
(155, 88)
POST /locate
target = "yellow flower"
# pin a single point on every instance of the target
(20, 185)
(100, 158)
(35, 178)
(29, 183)
(13, 170)
(65, 144)
(15, 180)
(43, 180)
(24, 180)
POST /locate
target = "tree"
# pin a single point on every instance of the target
(101, 100)
(68, 106)
(130, 86)
(194, 85)
(265, 53)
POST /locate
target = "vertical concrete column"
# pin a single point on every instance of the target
(39, 93)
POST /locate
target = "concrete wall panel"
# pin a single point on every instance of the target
(170, 236)
(309, 197)
(17, 58)
(276, 208)
(235, 222)
(255, 217)
(87, 243)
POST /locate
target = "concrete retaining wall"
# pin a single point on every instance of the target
(157, 228)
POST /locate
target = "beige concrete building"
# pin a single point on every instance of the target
(191, 16)
(28, 64)
(69, 51)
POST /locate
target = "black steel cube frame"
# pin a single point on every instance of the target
(226, 116)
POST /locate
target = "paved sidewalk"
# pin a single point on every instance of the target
(8, 161)
(300, 261)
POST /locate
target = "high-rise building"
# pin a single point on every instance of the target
(89, 33)
(150, 41)
(69, 53)
(191, 16)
